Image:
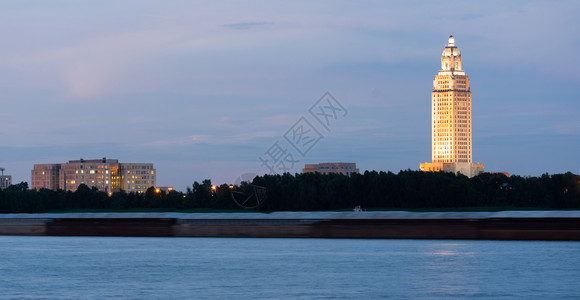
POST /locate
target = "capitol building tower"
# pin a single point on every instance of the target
(451, 138)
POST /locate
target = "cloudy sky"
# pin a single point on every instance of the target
(204, 89)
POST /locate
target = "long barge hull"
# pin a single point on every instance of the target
(475, 229)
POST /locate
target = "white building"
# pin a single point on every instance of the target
(451, 132)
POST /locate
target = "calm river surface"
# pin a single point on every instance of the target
(219, 268)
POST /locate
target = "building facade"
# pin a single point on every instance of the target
(45, 176)
(106, 175)
(451, 131)
(331, 168)
(137, 177)
(5, 180)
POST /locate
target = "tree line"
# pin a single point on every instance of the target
(312, 192)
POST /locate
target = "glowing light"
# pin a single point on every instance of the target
(451, 41)
(157, 190)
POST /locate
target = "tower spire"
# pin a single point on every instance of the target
(451, 59)
(451, 41)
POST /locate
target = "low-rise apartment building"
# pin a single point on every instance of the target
(105, 174)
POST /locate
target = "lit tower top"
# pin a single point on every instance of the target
(451, 59)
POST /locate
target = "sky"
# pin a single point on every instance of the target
(211, 89)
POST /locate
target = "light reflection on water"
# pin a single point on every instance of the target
(153, 268)
(451, 249)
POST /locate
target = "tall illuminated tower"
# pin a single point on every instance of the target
(451, 138)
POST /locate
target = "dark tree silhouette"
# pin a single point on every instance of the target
(308, 192)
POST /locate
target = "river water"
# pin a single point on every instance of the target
(222, 268)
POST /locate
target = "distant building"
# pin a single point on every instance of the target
(45, 176)
(451, 118)
(331, 168)
(137, 177)
(5, 180)
(105, 174)
(165, 189)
